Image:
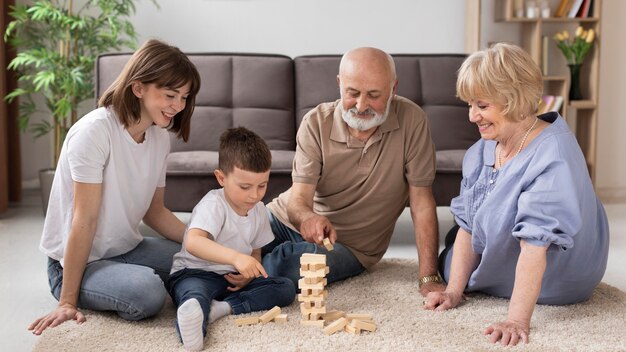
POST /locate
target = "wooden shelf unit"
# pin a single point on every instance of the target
(581, 115)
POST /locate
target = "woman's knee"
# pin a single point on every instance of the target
(145, 299)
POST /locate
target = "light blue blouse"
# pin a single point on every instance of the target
(543, 195)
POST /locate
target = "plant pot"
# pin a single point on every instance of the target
(46, 176)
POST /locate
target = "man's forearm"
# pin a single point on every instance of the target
(426, 241)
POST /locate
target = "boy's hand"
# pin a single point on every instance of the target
(248, 267)
(237, 281)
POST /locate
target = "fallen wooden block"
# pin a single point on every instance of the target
(363, 325)
(280, 318)
(333, 315)
(351, 329)
(316, 323)
(335, 326)
(247, 321)
(269, 315)
(360, 316)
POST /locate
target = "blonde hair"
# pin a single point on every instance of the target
(506, 74)
(154, 63)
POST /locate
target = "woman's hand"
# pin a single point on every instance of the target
(248, 267)
(57, 317)
(237, 281)
(508, 332)
(441, 301)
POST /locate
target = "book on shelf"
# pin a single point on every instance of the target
(590, 13)
(584, 9)
(563, 9)
(550, 103)
(573, 11)
(545, 104)
(558, 102)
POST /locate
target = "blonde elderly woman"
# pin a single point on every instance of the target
(530, 227)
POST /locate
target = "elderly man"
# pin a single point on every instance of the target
(358, 160)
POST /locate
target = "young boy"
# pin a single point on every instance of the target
(218, 270)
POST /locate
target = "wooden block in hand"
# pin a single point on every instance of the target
(327, 244)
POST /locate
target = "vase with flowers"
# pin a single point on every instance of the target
(575, 50)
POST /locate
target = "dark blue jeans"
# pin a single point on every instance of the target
(259, 294)
(281, 257)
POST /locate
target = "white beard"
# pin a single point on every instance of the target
(353, 118)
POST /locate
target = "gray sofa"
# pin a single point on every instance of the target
(271, 93)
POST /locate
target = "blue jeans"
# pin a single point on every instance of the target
(130, 284)
(259, 294)
(281, 257)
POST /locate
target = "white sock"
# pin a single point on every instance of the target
(219, 309)
(190, 317)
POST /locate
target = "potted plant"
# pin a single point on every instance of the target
(57, 43)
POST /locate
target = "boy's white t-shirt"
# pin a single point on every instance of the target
(99, 149)
(214, 215)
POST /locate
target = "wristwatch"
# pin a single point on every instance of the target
(429, 278)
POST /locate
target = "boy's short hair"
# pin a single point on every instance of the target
(244, 149)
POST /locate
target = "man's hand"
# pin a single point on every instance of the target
(432, 287)
(237, 281)
(441, 301)
(55, 318)
(316, 227)
(508, 332)
(248, 267)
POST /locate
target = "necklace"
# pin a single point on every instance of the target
(521, 144)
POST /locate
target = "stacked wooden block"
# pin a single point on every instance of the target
(312, 286)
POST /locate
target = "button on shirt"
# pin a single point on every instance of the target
(544, 195)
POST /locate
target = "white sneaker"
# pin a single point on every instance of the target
(189, 319)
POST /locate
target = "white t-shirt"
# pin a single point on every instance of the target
(241, 233)
(99, 149)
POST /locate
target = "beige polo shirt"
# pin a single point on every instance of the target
(362, 188)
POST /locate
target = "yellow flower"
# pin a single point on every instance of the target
(578, 47)
(579, 31)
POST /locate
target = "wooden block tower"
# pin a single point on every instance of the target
(312, 285)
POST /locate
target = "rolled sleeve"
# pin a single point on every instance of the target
(548, 210)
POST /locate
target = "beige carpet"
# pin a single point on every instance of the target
(389, 292)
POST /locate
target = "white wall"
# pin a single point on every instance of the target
(301, 27)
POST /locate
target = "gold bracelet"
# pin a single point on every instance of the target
(429, 278)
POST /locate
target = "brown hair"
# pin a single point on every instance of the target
(505, 73)
(242, 148)
(154, 63)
